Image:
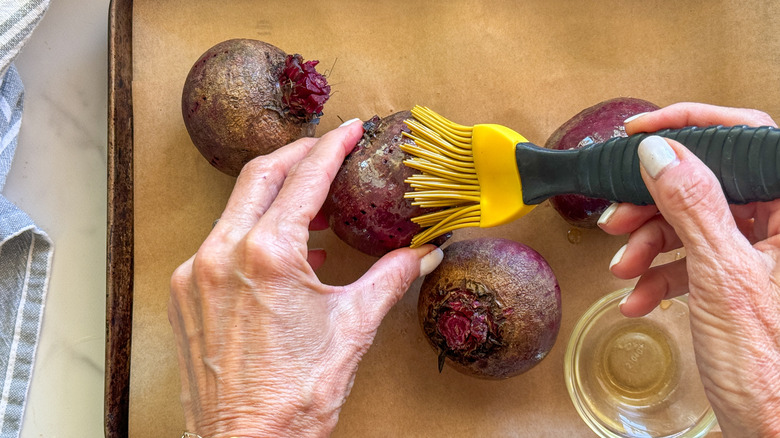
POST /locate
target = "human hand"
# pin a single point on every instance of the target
(731, 269)
(266, 349)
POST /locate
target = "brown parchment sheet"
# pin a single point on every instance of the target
(529, 65)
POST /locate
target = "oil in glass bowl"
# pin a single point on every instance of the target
(636, 377)
(636, 364)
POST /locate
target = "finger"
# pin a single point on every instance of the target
(684, 114)
(744, 211)
(757, 220)
(259, 182)
(316, 257)
(625, 218)
(635, 257)
(690, 198)
(658, 283)
(320, 222)
(767, 219)
(748, 229)
(304, 191)
(389, 278)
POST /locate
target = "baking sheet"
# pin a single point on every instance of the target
(527, 65)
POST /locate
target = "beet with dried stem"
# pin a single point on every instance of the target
(492, 309)
(244, 98)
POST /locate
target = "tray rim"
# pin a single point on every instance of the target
(119, 238)
(120, 221)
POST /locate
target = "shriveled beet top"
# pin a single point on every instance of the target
(304, 90)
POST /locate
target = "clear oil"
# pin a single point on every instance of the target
(635, 364)
(574, 236)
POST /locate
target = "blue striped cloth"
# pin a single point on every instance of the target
(25, 250)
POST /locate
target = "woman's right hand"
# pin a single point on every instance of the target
(731, 269)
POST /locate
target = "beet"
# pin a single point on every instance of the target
(243, 98)
(366, 206)
(595, 124)
(492, 307)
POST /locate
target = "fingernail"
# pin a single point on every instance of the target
(634, 117)
(625, 298)
(618, 256)
(430, 261)
(656, 155)
(604, 218)
(350, 121)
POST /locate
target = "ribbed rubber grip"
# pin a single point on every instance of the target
(745, 160)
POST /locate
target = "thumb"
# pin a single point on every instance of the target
(689, 197)
(389, 278)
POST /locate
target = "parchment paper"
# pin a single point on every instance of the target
(528, 65)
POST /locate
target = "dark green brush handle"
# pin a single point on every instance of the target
(745, 160)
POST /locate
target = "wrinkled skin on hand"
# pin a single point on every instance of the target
(731, 271)
(266, 349)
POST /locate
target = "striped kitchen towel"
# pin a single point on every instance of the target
(25, 250)
(18, 18)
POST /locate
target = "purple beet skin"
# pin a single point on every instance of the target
(243, 98)
(595, 124)
(366, 206)
(492, 309)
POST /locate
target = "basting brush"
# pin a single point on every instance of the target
(487, 174)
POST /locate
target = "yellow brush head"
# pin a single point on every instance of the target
(468, 173)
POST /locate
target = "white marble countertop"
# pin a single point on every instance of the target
(59, 178)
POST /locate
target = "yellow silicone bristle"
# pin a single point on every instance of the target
(442, 151)
(451, 219)
(449, 157)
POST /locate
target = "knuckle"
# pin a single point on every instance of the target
(309, 171)
(650, 242)
(256, 165)
(664, 235)
(759, 118)
(210, 267)
(180, 279)
(682, 110)
(692, 190)
(173, 312)
(263, 254)
(680, 107)
(262, 168)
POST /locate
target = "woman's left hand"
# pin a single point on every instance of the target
(266, 349)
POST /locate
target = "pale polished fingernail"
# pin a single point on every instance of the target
(634, 117)
(430, 261)
(604, 218)
(350, 121)
(625, 298)
(656, 155)
(618, 256)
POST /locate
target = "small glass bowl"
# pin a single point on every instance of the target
(636, 377)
